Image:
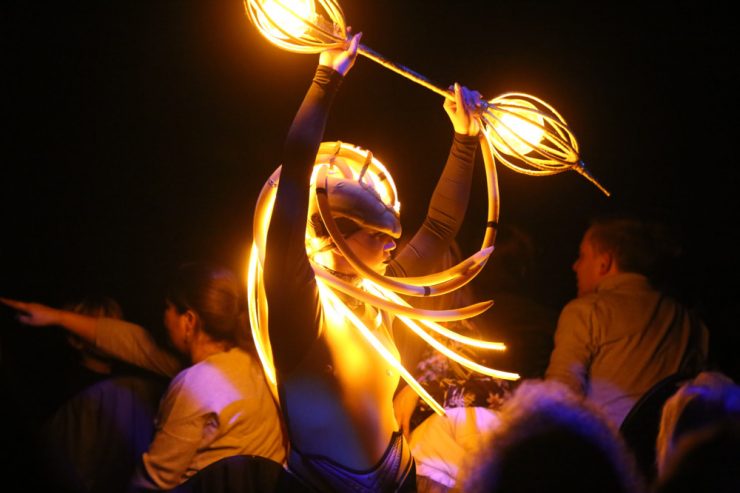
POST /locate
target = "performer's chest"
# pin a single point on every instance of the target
(356, 353)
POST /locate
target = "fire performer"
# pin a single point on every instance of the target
(335, 390)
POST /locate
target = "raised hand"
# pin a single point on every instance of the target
(341, 59)
(464, 110)
(34, 314)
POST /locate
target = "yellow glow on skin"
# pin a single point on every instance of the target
(346, 313)
(335, 314)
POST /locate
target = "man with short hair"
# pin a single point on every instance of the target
(621, 336)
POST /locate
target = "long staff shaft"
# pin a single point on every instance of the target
(414, 76)
(404, 71)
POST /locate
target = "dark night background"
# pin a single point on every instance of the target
(138, 134)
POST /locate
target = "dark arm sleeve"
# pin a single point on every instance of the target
(292, 294)
(445, 215)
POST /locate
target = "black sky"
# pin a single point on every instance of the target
(138, 133)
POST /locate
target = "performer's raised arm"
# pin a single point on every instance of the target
(289, 282)
(450, 199)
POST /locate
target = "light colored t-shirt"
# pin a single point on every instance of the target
(217, 408)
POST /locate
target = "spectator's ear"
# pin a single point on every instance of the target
(607, 264)
(190, 320)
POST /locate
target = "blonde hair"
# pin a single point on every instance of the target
(705, 400)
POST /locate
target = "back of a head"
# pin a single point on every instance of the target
(705, 401)
(97, 306)
(639, 245)
(706, 460)
(627, 239)
(549, 439)
(215, 294)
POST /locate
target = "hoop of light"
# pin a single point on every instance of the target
(338, 156)
(329, 156)
(312, 26)
(430, 285)
(354, 162)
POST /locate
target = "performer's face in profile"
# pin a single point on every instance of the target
(372, 247)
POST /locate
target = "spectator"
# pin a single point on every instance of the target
(218, 406)
(550, 439)
(92, 442)
(704, 401)
(92, 364)
(621, 336)
(75, 364)
(705, 460)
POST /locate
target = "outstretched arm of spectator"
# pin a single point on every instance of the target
(122, 340)
(38, 315)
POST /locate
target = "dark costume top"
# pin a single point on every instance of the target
(313, 367)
